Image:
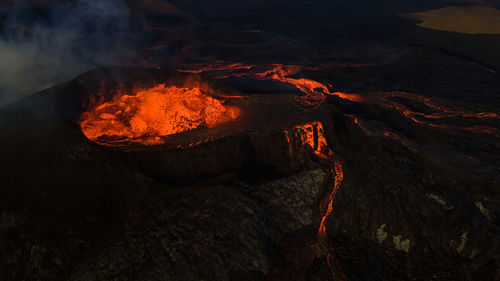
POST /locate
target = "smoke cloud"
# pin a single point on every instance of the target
(47, 44)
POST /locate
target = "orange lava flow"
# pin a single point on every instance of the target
(147, 116)
(339, 176)
(324, 241)
(313, 135)
(314, 91)
(442, 113)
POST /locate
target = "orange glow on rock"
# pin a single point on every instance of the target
(313, 134)
(324, 241)
(147, 116)
(314, 91)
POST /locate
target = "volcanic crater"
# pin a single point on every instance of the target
(289, 143)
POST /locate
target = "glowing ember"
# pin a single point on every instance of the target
(146, 116)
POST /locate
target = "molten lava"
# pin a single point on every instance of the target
(324, 242)
(313, 134)
(314, 91)
(147, 116)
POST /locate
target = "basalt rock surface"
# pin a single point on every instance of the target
(417, 208)
(419, 199)
(219, 210)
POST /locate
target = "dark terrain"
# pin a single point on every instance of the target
(419, 151)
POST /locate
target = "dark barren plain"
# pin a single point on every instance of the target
(368, 148)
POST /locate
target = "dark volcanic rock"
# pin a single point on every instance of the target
(72, 209)
(415, 209)
(416, 203)
(419, 198)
